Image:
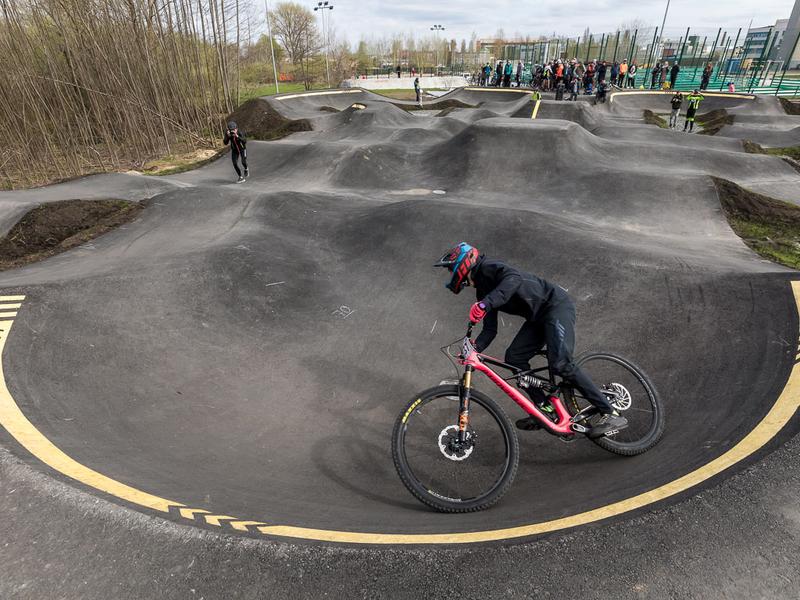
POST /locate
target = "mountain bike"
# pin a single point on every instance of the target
(457, 451)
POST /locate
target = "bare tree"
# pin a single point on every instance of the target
(296, 30)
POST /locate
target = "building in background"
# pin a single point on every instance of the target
(765, 39)
(789, 50)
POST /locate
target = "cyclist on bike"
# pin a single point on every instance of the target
(549, 315)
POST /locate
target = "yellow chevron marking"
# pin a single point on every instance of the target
(189, 513)
(12, 298)
(6, 306)
(242, 525)
(6, 315)
(215, 519)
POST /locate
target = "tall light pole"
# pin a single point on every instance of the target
(322, 7)
(272, 48)
(437, 29)
(663, 21)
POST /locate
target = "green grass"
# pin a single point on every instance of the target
(268, 89)
(788, 151)
(768, 226)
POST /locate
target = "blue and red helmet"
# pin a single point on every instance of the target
(460, 261)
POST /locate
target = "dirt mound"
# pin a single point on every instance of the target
(792, 107)
(260, 121)
(768, 226)
(441, 105)
(713, 121)
(53, 228)
(652, 118)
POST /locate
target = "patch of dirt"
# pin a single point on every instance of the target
(652, 118)
(170, 165)
(260, 121)
(441, 105)
(752, 147)
(792, 107)
(770, 227)
(52, 228)
(713, 121)
(790, 155)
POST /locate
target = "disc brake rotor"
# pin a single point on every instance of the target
(450, 447)
(621, 399)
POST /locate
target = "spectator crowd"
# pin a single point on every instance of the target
(576, 76)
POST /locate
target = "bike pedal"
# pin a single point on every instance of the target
(612, 432)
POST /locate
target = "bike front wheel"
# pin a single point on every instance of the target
(446, 474)
(632, 394)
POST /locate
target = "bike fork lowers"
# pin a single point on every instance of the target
(463, 406)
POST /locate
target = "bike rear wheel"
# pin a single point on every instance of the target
(632, 394)
(443, 475)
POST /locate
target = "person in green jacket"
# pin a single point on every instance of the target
(693, 101)
(507, 71)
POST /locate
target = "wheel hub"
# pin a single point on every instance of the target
(620, 396)
(450, 446)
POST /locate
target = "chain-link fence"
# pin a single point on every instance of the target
(709, 58)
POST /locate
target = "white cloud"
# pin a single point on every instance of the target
(354, 19)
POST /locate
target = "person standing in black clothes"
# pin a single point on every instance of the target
(602, 68)
(673, 75)
(498, 74)
(706, 76)
(656, 75)
(238, 143)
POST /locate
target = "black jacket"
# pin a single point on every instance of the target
(238, 144)
(502, 288)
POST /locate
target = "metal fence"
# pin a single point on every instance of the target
(729, 53)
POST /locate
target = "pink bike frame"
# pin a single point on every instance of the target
(564, 424)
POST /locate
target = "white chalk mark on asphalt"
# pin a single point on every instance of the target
(434, 325)
(276, 283)
(343, 312)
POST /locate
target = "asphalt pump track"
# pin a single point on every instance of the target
(235, 358)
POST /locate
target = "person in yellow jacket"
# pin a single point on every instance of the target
(693, 101)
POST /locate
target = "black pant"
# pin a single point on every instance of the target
(556, 329)
(235, 158)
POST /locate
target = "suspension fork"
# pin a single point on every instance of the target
(463, 406)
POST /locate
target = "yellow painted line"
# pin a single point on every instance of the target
(7, 315)
(34, 442)
(515, 90)
(7, 306)
(25, 433)
(12, 298)
(242, 525)
(215, 519)
(535, 109)
(189, 513)
(671, 92)
(305, 94)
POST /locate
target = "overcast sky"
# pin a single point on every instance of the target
(353, 19)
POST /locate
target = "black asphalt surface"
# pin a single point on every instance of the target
(245, 349)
